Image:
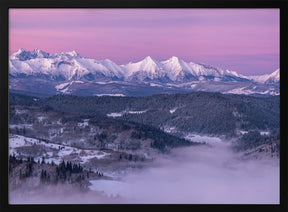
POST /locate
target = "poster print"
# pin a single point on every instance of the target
(144, 106)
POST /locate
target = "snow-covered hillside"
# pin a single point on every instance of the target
(71, 65)
(65, 66)
(50, 151)
(61, 71)
(267, 78)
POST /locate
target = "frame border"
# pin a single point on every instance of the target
(4, 55)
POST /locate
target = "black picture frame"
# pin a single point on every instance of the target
(4, 35)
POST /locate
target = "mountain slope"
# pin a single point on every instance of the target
(200, 112)
(274, 77)
(61, 66)
(71, 73)
(71, 65)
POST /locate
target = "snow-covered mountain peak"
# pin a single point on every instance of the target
(145, 63)
(113, 67)
(276, 73)
(68, 55)
(20, 51)
(39, 52)
(73, 53)
(274, 77)
(171, 72)
(234, 73)
(149, 60)
(22, 54)
(15, 55)
(178, 70)
(148, 68)
(174, 59)
(107, 60)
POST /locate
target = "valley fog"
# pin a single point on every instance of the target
(201, 175)
(189, 175)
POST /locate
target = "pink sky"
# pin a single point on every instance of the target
(243, 40)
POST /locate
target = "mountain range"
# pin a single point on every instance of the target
(39, 73)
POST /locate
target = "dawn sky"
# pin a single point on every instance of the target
(242, 40)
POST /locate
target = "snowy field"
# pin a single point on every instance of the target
(54, 152)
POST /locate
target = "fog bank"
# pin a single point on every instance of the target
(200, 175)
(190, 175)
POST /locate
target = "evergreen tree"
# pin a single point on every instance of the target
(43, 160)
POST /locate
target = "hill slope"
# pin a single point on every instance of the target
(200, 112)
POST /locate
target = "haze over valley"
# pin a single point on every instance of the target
(193, 148)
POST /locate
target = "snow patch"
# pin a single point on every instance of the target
(247, 91)
(17, 111)
(14, 126)
(110, 94)
(173, 110)
(169, 129)
(155, 85)
(18, 141)
(119, 114)
(193, 85)
(264, 132)
(203, 139)
(137, 112)
(236, 113)
(113, 115)
(84, 123)
(64, 87)
(41, 118)
(242, 132)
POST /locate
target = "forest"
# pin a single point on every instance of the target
(201, 112)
